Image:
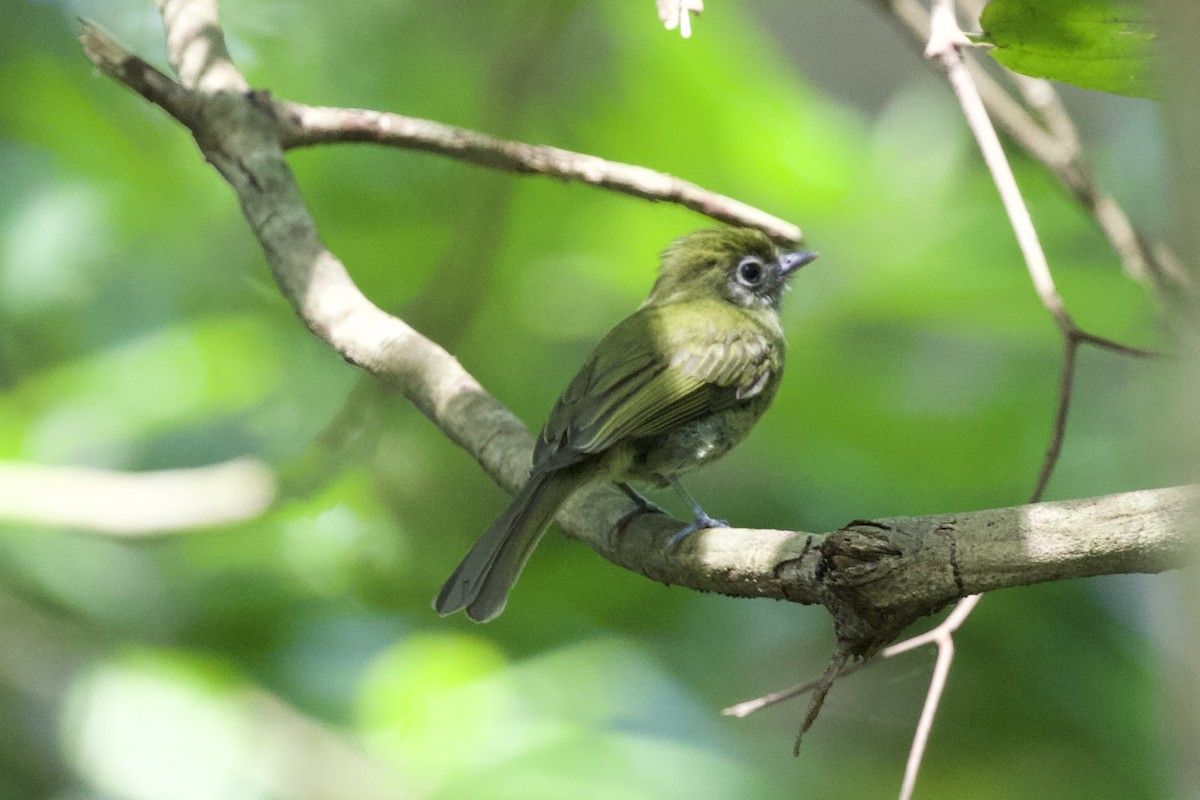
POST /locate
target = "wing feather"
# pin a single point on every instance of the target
(644, 379)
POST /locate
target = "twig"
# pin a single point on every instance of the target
(301, 125)
(196, 47)
(1066, 384)
(820, 692)
(1140, 255)
(748, 707)
(304, 126)
(1073, 337)
(1041, 98)
(1105, 343)
(943, 637)
(944, 42)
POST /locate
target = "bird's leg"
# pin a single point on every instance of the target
(639, 499)
(701, 521)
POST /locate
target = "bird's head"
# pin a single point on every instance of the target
(739, 265)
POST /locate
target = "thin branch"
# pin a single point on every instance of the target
(1072, 339)
(945, 38)
(196, 47)
(304, 126)
(945, 43)
(952, 622)
(754, 705)
(943, 636)
(1041, 98)
(1066, 384)
(820, 691)
(135, 503)
(1140, 254)
(300, 125)
(1111, 345)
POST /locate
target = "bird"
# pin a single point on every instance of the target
(670, 388)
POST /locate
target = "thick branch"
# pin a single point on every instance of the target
(875, 577)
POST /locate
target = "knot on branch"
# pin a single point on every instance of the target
(859, 553)
(862, 556)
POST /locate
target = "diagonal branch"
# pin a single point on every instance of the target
(305, 126)
(1055, 146)
(945, 43)
(300, 125)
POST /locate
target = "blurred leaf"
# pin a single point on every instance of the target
(338, 538)
(89, 411)
(592, 720)
(151, 724)
(417, 705)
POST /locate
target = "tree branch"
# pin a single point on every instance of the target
(135, 503)
(305, 126)
(1055, 146)
(945, 44)
(875, 577)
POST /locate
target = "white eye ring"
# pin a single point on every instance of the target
(750, 272)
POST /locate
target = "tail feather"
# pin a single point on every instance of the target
(481, 582)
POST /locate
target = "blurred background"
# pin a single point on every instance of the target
(294, 653)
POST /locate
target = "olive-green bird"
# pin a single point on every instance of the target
(670, 388)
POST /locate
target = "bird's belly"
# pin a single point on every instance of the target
(692, 444)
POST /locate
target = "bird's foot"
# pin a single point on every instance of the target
(701, 522)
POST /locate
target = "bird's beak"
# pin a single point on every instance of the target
(790, 262)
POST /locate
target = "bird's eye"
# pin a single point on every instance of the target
(750, 272)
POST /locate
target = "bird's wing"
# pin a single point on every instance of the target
(646, 377)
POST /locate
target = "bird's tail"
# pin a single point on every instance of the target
(481, 581)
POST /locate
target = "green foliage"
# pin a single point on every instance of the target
(1096, 44)
(140, 329)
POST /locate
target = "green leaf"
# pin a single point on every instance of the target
(1095, 44)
